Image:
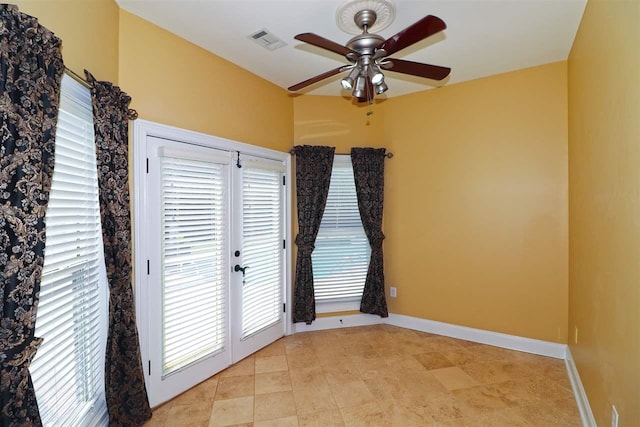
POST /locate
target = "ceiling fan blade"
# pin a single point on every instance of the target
(434, 72)
(315, 79)
(327, 44)
(427, 26)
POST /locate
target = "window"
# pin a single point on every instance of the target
(193, 195)
(68, 370)
(261, 245)
(341, 255)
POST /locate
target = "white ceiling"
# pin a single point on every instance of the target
(483, 37)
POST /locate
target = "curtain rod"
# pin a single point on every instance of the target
(77, 77)
(388, 155)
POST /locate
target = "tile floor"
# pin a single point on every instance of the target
(379, 376)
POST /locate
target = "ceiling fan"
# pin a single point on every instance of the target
(368, 54)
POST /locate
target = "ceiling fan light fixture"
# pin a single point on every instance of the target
(358, 92)
(347, 82)
(376, 76)
(381, 88)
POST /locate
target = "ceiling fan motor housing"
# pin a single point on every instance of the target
(365, 44)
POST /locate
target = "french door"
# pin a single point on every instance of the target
(258, 257)
(215, 286)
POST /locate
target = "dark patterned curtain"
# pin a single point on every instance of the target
(126, 394)
(31, 69)
(368, 172)
(313, 176)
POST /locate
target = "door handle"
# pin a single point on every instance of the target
(239, 268)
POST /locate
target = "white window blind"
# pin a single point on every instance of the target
(262, 234)
(194, 240)
(341, 255)
(68, 370)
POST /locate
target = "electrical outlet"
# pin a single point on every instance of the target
(614, 416)
(392, 291)
(575, 335)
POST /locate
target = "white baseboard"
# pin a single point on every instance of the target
(578, 390)
(336, 322)
(512, 342)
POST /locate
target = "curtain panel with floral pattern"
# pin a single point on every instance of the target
(126, 395)
(31, 70)
(368, 172)
(313, 176)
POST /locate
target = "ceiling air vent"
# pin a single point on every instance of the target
(267, 40)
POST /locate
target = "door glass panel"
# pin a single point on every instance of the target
(193, 227)
(262, 234)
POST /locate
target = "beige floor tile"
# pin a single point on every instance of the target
(406, 415)
(420, 387)
(352, 393)
(454, 378)
(312, 399)
(231, 387)
(440, 344)
(491, 352)
(383, 387)
(505, 417)
(232, 411)
(274, 349)
(244, 367)
(367, 415)
(154, 422)
(406, 363)
(291, 421)
(496, 371)
(301, 360)
(481, 399)
(567, 409)
(194, 415)
(272, 382)
(328, 418)
(341, 372)
(546, 389)
(159, 415)
(205, 391)
(465, 356)
(310, 376)
(274, 405)
(271, 364)
(548, 415)
(379, 375)
(433, 360)
(374, 364)
(447, 409)
(514, 393)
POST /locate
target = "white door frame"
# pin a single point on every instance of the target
(141, 250)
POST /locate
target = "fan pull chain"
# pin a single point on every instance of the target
(369, 99)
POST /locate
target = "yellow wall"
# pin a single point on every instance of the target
(88, 29)
(337, 122)
(476, 197)
(174, 82)
(604, 166)
(476, 203)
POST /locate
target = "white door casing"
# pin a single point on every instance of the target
(153, 142)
